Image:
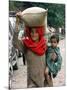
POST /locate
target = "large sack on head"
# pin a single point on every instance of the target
(34, 16)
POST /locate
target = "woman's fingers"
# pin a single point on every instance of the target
(19, 14)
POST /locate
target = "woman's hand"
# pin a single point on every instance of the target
(19, 14)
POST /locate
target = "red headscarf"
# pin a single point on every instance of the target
(37, 47)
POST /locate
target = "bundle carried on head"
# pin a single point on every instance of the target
(34, 16)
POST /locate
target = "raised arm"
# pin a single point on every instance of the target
(16, 42)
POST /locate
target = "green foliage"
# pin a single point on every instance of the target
(56, 12)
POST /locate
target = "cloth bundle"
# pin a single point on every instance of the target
(34, 16)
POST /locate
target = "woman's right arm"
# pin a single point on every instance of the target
(16, 42)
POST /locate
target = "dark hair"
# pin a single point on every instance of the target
(55, 37)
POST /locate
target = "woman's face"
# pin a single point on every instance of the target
(34, 35)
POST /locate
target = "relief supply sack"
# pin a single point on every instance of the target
(34, 16)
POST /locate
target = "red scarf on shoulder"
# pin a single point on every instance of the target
(37, 47)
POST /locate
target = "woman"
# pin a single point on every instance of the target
(35, 55)
(34, 48)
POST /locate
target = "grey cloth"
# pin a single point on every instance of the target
(35, 68)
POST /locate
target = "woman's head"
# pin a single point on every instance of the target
(35, 33)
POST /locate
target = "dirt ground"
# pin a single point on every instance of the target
(19, 79)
